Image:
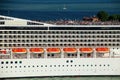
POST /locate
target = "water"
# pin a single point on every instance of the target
(70, 78)
(54, 9)
(50, 15)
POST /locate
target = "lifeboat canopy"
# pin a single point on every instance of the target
(70, 50)
(53, 50)
(86, 50)
(19, 50)
(3, 52)
(102, 50)
(36, 50)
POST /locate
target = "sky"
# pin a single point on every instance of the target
(46, 5)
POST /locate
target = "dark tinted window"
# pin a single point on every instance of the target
(84, 28)
(23, 28)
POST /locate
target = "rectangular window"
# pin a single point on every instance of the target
(84, 28)
(2, 23)
(23, 28)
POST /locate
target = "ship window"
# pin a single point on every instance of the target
(67, 61)
(28, 66)
(6, 62)
(0, 32)
(2, 62)
(52, 55)
(2, 23)
(71, 61)
(66, 65)
(33, 66)
(11, 66)
(0, 36)
(33, 23)
(20, 66)
(15, 62)
(11, 62)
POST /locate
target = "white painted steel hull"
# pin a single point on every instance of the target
(59, 67)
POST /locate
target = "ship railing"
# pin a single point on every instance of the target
(112, 53)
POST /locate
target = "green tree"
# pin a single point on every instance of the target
(114, 17)
(102, 15)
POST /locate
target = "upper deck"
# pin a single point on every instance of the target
(18, 36)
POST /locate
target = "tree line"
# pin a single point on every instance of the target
(104, 16)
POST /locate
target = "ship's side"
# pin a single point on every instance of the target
(30, 49)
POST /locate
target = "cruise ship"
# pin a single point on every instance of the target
(36, 49)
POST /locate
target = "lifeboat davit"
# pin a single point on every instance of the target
(102, 50)
(53, 50)
(70, 50)
(86, 50)
(19, 50)
(36, 50)
(3, 51)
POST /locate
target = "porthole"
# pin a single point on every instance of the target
(11, 62)
(15, 62)
(33, 66)
(2, 62)
(15, 66)
(28, 66)
(6, 62)
(67, 61)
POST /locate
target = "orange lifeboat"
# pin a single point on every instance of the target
(19, 50)
(102, 50)
(3, 51)
(36, 50)
(86, 50)
(53, 50)
(70, 50)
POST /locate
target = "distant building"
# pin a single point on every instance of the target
(93, 19)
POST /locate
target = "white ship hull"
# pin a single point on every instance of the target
(59, 67)
(35, 49)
